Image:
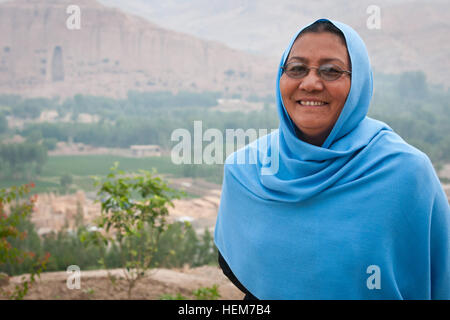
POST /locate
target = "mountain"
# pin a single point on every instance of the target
(198, 45)
(414, 35)
(112, 53)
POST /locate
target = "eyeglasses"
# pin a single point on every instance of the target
(327, 72)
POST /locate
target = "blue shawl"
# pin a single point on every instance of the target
(364, 216)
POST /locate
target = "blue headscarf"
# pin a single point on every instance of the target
(361, 217)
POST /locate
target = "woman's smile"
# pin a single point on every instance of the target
(311, 103)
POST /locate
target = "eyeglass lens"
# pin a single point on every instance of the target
(327, 71)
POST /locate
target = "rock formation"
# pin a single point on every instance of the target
(113, 52)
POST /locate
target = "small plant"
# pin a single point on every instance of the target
(207, 293)
(89, 292)
(133, 207)
(204, 293)
(112, 278)
(178, 296)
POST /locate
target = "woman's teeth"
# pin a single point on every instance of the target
(312, 103)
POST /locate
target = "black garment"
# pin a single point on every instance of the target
(227, 271)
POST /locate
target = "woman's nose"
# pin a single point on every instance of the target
(312, 82)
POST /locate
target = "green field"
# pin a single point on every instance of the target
(41, 184)
(100, 164)
(82, 168)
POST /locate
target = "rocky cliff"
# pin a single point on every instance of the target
(413, 34)
(113, 52)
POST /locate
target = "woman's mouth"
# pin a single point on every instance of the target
(311, 103)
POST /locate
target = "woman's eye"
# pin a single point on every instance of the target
(298, 69)
(330, 70)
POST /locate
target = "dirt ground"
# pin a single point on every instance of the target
(95, 285)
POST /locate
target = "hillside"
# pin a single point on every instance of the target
(112, 53)
(413, 33)
(200, 45)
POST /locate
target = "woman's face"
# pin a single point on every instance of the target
(316, 122)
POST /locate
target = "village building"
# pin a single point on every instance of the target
(150, 150)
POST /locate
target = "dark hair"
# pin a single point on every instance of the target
(324, 26)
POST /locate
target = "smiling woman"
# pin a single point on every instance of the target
(354, 212)
(312, 102)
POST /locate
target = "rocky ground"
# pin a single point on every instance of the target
(95, 285)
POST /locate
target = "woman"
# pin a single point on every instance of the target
(352, 211)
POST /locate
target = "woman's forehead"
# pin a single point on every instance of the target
(319, 47)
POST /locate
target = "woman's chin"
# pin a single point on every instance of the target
(311, 126)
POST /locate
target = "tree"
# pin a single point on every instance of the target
(34, 136)
(3, 123)
(50, 143)
(19, 209)
(66, 180)
(19, 156)
(132, 207)
(413, 84)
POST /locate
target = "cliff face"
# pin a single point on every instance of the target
(112, 53)
(413, 34)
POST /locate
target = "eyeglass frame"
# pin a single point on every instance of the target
(317, 72)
